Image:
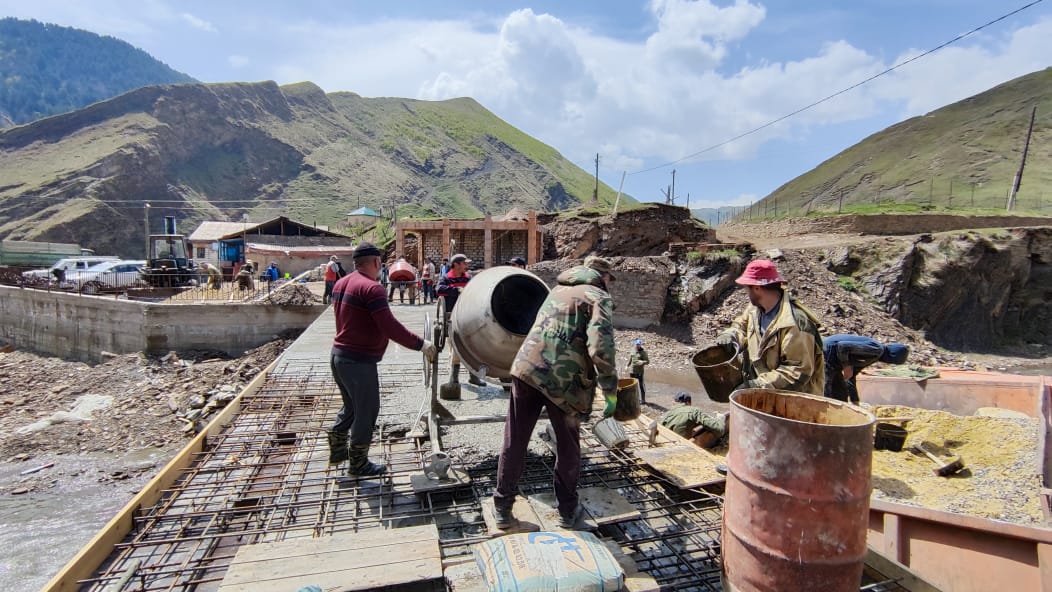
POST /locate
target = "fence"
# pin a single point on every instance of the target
(869, 195)
(132, 285)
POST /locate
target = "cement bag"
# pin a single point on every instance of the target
(543, 561)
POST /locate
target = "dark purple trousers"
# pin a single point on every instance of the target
(523, 411)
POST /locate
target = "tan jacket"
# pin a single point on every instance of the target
(789, 355)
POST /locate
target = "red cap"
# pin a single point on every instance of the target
(760, 272)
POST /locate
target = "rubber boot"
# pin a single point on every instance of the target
(451, 390)
(360, 465)
(337, 448)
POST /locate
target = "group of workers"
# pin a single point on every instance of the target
(242, 279)
(570, 353)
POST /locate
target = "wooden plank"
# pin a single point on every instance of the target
(348, 561)
(363, 539)
(423, 574)
(547, 508)
(606, 506)
(91, 556)
(686, 465)
(521, 510)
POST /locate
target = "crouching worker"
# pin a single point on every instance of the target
(846, 355)
(569, 349)
(706, 430)
(364, 324)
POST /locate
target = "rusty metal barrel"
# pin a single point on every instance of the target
(797, 498)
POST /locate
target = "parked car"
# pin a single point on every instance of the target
(105, 276)
(63, 267)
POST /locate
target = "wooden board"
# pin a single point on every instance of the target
(606, 506)
(421, 483)
(521, 510)
(547, 508)
(635, 580)
(686, 465)
(393, 559)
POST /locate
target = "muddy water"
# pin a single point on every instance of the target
(42, 530)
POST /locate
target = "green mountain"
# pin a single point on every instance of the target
(964, 155)
(46, 69)
(224, 151)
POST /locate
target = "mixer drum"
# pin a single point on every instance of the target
(492, 316)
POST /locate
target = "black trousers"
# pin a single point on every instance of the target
(359, 385)
(523, 410)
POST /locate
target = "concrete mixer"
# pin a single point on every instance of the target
(492, 316)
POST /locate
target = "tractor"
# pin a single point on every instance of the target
(169, 264)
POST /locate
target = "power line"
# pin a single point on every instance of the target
(840, 92)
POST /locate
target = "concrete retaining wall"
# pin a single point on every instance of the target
(82, 327)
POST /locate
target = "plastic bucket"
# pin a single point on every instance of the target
(627, 407)
(719, 371)
(796, 506)
(610, 433)
(889, 437)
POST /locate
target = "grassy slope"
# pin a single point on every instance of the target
(975, 141)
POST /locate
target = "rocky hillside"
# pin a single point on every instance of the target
(46, 69)
(964, 155)
(222, 151)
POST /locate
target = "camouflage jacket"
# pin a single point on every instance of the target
(571, 345)
(788, 356)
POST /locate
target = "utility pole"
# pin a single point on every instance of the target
(931, 190)
(1022, 163)
(973, 194)
(617, 199)
(949, 200)
(672, 191)
(595, 192)
(146, 227)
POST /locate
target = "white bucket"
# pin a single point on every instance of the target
(610, 433)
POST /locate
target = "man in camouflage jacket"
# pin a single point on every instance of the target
(569, 350)
(783, 348)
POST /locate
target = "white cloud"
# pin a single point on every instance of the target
(960, 71)
(238, 61)
(197, 23)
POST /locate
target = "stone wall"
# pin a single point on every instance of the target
(639, 293)
(82, 327)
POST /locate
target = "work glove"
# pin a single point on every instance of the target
(611, 402)
(727, 342)
(429, 350)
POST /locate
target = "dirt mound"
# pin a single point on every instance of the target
(638, 232)
(293, 295)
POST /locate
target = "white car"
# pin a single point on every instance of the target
(64, 266)
(104, 276)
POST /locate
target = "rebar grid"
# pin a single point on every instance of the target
(265, 478)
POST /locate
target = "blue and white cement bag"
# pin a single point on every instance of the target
(548, 561)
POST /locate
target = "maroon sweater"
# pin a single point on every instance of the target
(364, 322)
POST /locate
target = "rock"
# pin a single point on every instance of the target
(108, 355)
(19, 491)
(775, 254)
(196, 402)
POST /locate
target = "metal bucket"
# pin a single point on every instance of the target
(492, 317)
(796, 505)
(610, 433)
(627, 407)
(719, 371)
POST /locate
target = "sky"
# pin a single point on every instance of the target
(651, 87)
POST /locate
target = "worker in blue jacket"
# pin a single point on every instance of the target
(846, 355)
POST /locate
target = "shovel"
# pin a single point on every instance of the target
(944, 469)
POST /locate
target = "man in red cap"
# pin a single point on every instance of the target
(783, 349)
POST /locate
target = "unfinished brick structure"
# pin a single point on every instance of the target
(486, 242)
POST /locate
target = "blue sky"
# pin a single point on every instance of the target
(641, 83)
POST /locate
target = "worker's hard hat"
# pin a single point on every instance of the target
(761, 272)
(639, 342)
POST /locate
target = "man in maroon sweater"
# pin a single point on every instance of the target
(364, 324)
